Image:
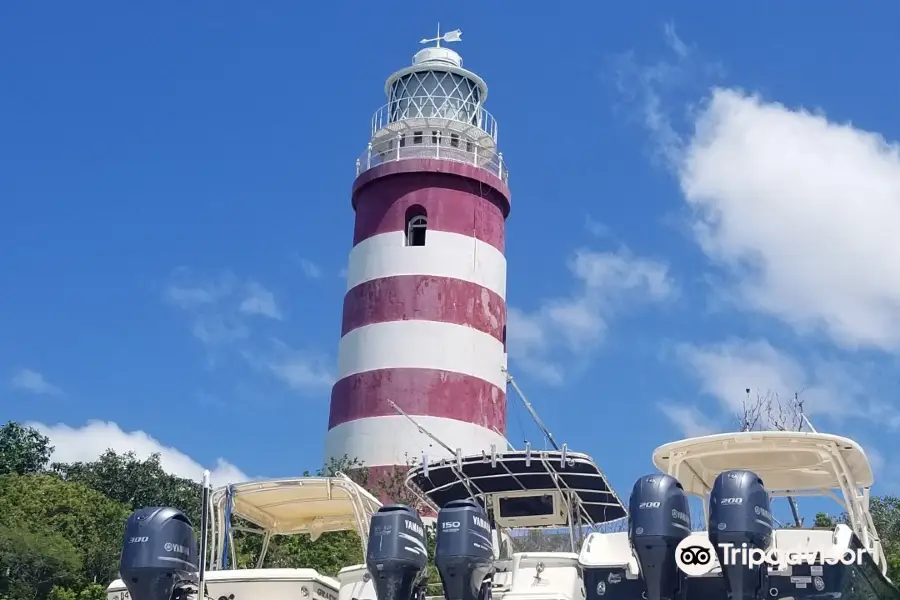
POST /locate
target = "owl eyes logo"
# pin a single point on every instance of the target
(694, 556)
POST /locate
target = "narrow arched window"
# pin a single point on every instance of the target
(416, 226)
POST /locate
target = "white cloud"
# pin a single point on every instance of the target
(596, 228)
(88, 442)
(302, 372)
(887, 471)
(689, 420)
(259, 301)
(220, 310)
(26, 380)
(219, 306)
(310, 269)
(644, 86)
(725, 371)
(606, 283)
(797, 209)
(806, 224)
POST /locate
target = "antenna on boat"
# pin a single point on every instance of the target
(204, 535)
(456, 454)
(423, 430)
(808, 424)
(530, 408)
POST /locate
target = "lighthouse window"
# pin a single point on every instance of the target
(402, 140)
(454, 140)
(435, 136)
(417, 137)
(416, 226)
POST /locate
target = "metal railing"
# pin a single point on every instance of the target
(435, 107)
(442, 147)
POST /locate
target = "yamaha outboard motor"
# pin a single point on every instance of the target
(397, 554)
(159, 554)
(740, 525)
(659, 518)
(464, 554)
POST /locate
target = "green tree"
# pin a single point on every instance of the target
(90, 522)
(135, 483)
(33, 562)
(886, 517)
(542, 540)
(353, 468)
(824, 520)
(23, 450)
(885, 511)
(90, 592)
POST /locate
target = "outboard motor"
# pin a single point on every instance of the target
(397, 554)
(464, 553)
(659, 518)
(740, 520)
(159, 554)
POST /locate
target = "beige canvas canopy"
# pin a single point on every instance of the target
(786, 461)
(298, 506)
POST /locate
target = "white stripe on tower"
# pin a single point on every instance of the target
(423, 326)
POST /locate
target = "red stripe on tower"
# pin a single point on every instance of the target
(424, 317)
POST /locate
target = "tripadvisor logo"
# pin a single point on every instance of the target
(697, 556)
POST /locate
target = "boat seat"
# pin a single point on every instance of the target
(609, 551)
(613, 551)
(545, 576)
(832, 543)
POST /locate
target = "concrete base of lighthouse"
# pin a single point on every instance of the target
(424, 326)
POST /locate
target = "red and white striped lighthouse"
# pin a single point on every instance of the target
(424, 320)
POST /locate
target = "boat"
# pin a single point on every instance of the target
(845, 561)
(309, 506)
(523, 490)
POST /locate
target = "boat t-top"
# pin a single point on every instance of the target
(310, 506)
(736, 475)
(524, 490)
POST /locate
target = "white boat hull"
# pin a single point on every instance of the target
(256, 584)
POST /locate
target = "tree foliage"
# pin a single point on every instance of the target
(134, 483)
(23, 450)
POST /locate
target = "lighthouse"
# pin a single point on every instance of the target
(424, 316)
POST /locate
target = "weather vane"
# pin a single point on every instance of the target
(450, 36)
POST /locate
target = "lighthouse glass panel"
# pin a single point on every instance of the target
(437, 94)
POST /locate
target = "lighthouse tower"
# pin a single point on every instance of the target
(424, 316)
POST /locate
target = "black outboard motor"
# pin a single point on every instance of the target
(159, 554)
(659, 518)
(740, 520)
(464, 554)
(397, 554)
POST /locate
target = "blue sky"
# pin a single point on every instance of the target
(705, 200)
